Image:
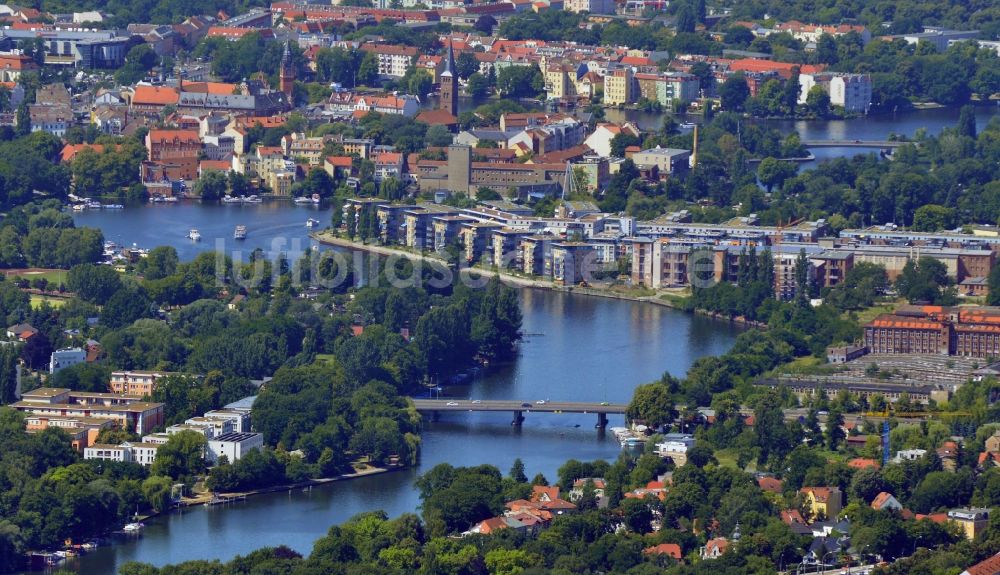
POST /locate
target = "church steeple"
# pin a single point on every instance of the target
(449, 84)
(286, 74)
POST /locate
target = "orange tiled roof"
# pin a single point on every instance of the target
(671, 549)
(160, 136)
(70, 151)
(155, 95)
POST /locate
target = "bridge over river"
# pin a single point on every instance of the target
(853, 143)
(518, 408)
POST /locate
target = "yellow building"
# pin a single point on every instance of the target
(972, 521)
(822, 501)
(618, 87)
(558, 82)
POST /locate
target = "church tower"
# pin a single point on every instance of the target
(286, 74)
(449, 85)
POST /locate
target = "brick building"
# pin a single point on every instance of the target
(966, 332)
(175, 147)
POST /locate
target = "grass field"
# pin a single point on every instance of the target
(36, 301)
(53, 276)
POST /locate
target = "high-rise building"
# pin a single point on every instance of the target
(449, 85)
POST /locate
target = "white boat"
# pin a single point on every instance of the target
(254, 199)
(302, 200)
(194, 234)
(114, 207)
(170, 200)
(232, 200)
(79, 207)
(315, 199)
(312, 223)
(240, 233)
(133, 527)
(94, 205)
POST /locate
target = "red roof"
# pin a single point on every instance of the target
(155, 95)
(770, 484)
(990, 566)
(237, 33)
(671, 549)
(881, 500)
(862, 463)
(792, 516)
(70, 151)
(539, 491)
(340, 161)
(220, 165)
(162, 136)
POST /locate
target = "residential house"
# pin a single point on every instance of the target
(885, 500)
(714, 548)
(21, 331)
(13, 64)
(393, 61)
(388, 165)
(972, 521)
(600, 139)
(822, 502)
(988, 566)
(671, 550)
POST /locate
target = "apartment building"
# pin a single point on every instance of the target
(179, 148)
(136, 383)
(393, 61)
(618, 87)
(853, 92)
(127, 412)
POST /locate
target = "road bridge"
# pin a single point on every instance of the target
(853, 143)
(518, 408)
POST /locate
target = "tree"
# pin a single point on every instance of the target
(8, 373)
(438, 136)
(652, 404)
(368, 69)
(922, 280)
(933, 218)
(818, 101)
(183, 455)
(967, 122)
(211, 185)
(773, 172)
(517, 471)
(466, 65)
(93, 283)
(834, 429)
(733, 93)
(520, 81)
(485, 24)
(420, 83)
(477, 86)
(160, 262)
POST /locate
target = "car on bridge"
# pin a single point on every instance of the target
(452, 404)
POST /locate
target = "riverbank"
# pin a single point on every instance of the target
(664, 299)
(210, 498)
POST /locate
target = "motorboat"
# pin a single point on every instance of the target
(232, 200)
(194, 234)
(315, 199)
(240, 233)
(302, 200)
(133, 527)
(113, 207)
(312, 223)
(254, 199)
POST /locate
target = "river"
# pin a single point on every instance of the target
(579, 347)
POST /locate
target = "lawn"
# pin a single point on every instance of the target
(53, 276)
(866, 315)
(36, 301)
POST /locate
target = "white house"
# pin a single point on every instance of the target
(600, 139)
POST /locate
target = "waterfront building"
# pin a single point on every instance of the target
(128, 412)
(83, 431)
(572, 262)
(618, 87)
(233, 446)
